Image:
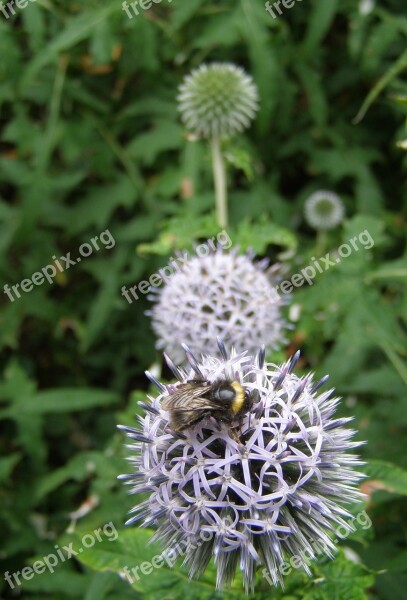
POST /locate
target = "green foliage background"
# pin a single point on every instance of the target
(91, 141)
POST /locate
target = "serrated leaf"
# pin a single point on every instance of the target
(339, 579)
(166, 135)
(131, 551)
(387, 476)
(368, 230)
(240, 159)
(262, 234)
(104, 301)
(181, 233)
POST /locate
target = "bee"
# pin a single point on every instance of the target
(198, 399)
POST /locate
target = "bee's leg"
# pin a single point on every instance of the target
(215, 423)
(235, 433)
(177, 433)
(238, 438)
(235, 436)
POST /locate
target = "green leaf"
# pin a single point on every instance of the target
(313, 86)
(166, 135)
(369, 234)
(395, 271)
(339, 579)
(181, 13)
(387, 476)
(133, 552)
(69, 400)
(61, 581)
(181, 233)
(262, 234)
(34, 23)
(105, 299)
(241, 159)
(98, 205)
(100, 586)
(381, 381)
(77, 469)
(320, 20)
(7, 465)
(78, 29)
(398, 67)
(253, 22)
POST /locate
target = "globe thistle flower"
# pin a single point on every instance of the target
(324, 210)
(267, 489)
(217, 100)
(219, 295)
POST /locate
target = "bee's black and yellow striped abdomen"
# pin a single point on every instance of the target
(238, 401)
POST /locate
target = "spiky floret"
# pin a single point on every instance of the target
(223, 295)
(324, 210)
(272, 488)
(217, 100)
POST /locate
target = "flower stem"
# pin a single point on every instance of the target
(321, 242)
(219, 176)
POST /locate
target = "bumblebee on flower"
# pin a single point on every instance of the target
(280, 473)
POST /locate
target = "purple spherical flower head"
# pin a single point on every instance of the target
(269, 487)
(223, 294)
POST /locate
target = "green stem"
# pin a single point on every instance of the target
(395, 360)
(389, 274)
(51, 132)
(219, 176)
(321, 242)
(121, 154)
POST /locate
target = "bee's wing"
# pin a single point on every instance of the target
(187, 406)
(188, 398)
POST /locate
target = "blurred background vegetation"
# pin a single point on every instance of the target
(91, 140)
